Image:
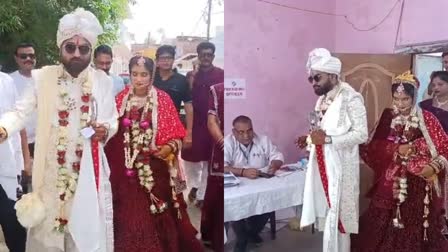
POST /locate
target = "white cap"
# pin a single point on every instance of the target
(80, 22)
(320, 59)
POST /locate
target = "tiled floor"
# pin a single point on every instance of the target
(194, 212)
(3, 247)
(286, 241)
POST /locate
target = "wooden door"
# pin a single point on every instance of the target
(372, 75)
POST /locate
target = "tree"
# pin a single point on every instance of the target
(37, 21)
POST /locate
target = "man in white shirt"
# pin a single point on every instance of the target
(103, 58)
(245, 153)
(25, 58)
(11, 163)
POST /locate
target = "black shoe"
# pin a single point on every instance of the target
(257, 240)
(207, 244)
(199, 203)
(240, 247)
(192, 194)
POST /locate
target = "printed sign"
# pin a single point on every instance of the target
(235, 89)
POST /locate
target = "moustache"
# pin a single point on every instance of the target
(76, 60)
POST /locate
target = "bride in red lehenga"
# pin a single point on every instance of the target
(149, 209)
(408, 153)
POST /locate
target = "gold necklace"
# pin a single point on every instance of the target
(138, 101)
(440, 104)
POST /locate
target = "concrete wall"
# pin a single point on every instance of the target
(422, 22)
(268, 46)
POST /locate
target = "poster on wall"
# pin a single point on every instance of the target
(234, 88)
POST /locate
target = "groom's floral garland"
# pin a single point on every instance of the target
(67, 180)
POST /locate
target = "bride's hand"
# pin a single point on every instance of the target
(163, 152)
(301, 142)
(406, 149)
(426, 172)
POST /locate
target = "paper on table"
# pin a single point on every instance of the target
(288, 169)
(230, 180)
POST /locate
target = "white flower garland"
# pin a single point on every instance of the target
(140, 136)
(408, 123)
(67, 180)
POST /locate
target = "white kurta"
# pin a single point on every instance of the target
(90, 230)
(258, 155)
(21, 82)
(346, 122)
(11, 162)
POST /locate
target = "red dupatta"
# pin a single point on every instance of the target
(169, 126)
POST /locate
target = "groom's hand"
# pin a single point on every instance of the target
(100, 132)
(318, 137)
(3, 135)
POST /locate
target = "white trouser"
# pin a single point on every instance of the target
(33, 245)
(197, 173)
(343, 242)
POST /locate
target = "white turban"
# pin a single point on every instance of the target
(80, 22)
(320, 59)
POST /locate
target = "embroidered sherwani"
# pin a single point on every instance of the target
(89, 211)
(331, 201)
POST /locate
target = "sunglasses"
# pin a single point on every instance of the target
(165, 58)
(315, 78)
(25, 56)
(71, 49)
(209, 55)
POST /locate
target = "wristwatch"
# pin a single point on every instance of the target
(328, 140)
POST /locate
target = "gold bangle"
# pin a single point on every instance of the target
(173, 146)
(440, 163)
(435, 169)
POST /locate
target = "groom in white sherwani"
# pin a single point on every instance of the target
(332, 180)
(70, 208)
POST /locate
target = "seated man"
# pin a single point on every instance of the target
(245, 153)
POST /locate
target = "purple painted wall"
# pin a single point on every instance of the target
(268, 46)
(422, 22)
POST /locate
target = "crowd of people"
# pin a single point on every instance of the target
(109, 163)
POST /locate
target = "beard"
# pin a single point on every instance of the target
(75, 65)
(323, 89)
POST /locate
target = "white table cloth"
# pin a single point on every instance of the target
(258, 196)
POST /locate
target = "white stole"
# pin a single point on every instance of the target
(84, 224)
